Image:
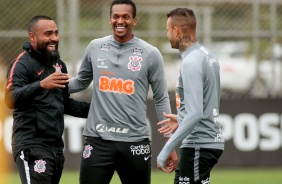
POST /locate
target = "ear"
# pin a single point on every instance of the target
(176, 31)
(135, 21)
(32, 37)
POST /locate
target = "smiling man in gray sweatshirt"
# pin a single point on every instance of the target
(122, 67)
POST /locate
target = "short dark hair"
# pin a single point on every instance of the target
(35, 19)
(129, 2)
(184, 17)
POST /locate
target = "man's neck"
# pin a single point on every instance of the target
(184, 42)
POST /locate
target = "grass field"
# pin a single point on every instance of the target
(218, 176)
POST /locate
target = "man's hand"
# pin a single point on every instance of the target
(55, 80)
(161, 168)
(171, 163)
(170, 124)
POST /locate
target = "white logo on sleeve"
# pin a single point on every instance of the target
(215, 113)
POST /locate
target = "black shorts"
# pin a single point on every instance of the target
(131, 161)
(38, 166)
(195, 165)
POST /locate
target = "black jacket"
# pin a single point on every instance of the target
(38, 113)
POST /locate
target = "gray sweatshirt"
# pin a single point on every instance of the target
(121, 74)
(198, 101)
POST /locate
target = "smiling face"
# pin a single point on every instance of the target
(44, 36)
(122, 22)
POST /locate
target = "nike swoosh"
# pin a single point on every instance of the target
(146, 158)
(39, 73)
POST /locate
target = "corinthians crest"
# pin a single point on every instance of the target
(40, 166)
(134, 63)
(87, 151)
(57, 67)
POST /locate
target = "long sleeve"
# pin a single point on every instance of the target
(191, 74)
(84, 76)
(159, 85)
(198, 90)
(19, 90)
(71, 106)
(75, 108)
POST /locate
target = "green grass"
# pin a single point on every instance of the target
(218, 176)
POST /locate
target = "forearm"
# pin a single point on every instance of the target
(183, 131)
(17, 96)
(76, 85)
(77, 109)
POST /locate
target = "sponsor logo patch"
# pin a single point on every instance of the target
(134, 63)
(219, 138)
(137, 51)
(206, 181)
(40, 166)
(104, 128)
(87, 151)
(102, 63)
(211, 61)
(104, 72)
(115, 85)
(184, 180)
(177, 100)
(105, 47)
(215, 113)
(141, 150)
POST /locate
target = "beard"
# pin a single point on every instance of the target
(48, 57)
(174, 45)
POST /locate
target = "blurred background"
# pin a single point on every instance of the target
(246, 35)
